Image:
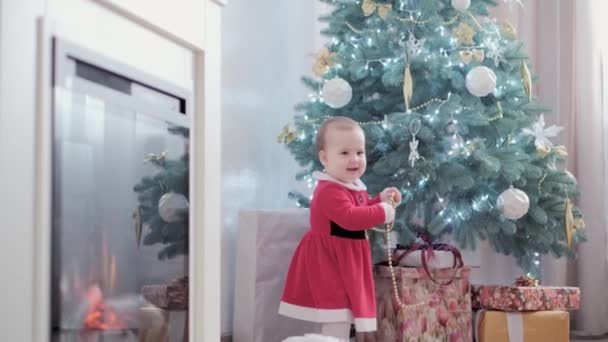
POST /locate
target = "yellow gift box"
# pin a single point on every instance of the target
(534, 326)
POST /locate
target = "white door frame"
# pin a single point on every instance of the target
(205, 171)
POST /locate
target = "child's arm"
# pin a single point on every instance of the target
(385, 195)
(374, 200)
(335, 202)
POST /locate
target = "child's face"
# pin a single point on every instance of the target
(344, 154)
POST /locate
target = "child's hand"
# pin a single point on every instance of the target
(385, 195)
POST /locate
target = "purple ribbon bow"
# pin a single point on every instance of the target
(427, 249)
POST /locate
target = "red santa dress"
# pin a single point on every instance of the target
(330, 276)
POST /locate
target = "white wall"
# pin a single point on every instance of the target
(266, 47)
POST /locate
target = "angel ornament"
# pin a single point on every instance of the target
(414, 156)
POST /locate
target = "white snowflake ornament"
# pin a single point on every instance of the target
(495, 52)
(414, 155)
(542, 134)
(413, 45)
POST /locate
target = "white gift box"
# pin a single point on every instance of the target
(266, 242)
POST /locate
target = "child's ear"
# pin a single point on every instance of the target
(323, 157)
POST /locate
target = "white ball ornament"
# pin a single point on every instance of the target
(481, 81)
(461, 5)
(513, 203)
(172, 207)
(337, 93)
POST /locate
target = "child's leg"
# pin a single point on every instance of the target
(366, 337)
(341, 330)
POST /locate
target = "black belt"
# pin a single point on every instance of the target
(345, 233)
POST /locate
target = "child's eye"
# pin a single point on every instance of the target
(360, 153)
(343, 153)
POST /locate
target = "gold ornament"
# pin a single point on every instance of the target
(155, 157)
(408, 87)
(571, 224)
(370, 6)
(464, 33)
(509, 29)
(468, 55)
(287, 135)
(526, 80)
(498, 115)
(324, 61)
(544, 150)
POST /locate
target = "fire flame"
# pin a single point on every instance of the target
(100, 316)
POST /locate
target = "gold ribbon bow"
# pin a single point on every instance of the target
(543, 150)
(526, 281)
(287, 135)
(155, 157)
(370, 6)
(468, 55)
(325, 60)
(570, 223)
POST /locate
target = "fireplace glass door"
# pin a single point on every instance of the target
(120, 205)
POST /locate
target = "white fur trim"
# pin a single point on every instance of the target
(389, 212)
(365, 324)
(315, 314)
(311, 338)
(322, 176)
(326, 315)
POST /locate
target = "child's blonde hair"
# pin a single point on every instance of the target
(339, 122)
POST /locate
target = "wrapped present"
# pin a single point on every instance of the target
(500, 326)
(266, 242)
(172, 296)
(423, 253)
(525, 298)
(438, 304)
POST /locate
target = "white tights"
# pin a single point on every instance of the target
(341, 330)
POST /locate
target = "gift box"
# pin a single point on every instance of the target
(525, 298)
(439, 259)
(423, 253)
(172, 296)
(500, 326)
(439, 305)
(266, 242)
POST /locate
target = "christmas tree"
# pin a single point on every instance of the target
(163, 202)
(444, 95)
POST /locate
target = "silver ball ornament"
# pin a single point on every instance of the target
(461, 5)
(481, 81)
(513, 203)
(172, 207)
(337, 93)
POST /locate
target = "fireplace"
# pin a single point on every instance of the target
(120, 202)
